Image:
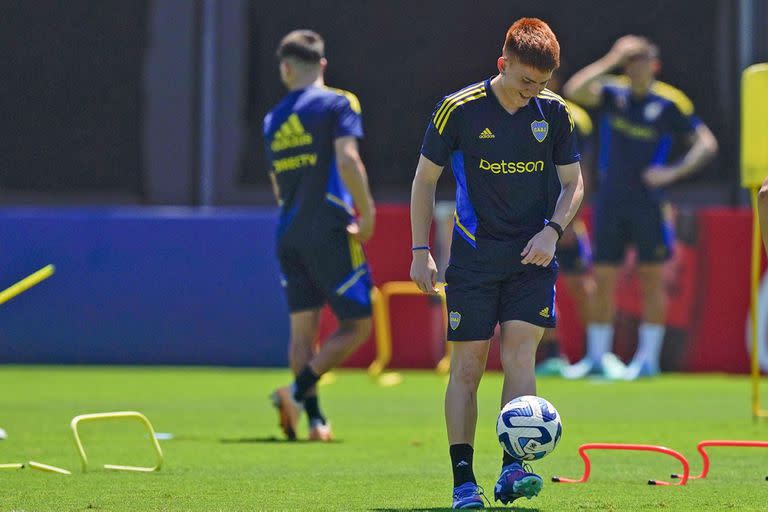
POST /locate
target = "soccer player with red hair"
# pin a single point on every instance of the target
(505, 137)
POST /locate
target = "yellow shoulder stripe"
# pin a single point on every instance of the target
(546, 94)
(444, 121)
(450, 102)
(674, 95)
(354, 103)
(581, 118)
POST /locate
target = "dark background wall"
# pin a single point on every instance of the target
(101, 99)
(70, 86)
(402, 57)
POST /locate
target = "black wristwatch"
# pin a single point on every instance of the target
(557, 227)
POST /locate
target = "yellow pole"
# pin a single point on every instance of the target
(754, 279)
(26, 283)
(380, 306)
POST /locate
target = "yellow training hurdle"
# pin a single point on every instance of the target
(104, 416)
(382, 322)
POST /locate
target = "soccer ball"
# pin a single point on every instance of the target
(529, 427)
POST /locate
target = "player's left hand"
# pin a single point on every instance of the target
(660, 176)
(541, 248)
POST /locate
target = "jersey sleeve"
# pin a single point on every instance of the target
(680, 118)
(566, 144)
(349, 121)
(441, 138)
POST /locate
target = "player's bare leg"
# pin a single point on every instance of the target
(651, 334)
(581, 288)
(350, 334)
(468, 359)
(304, 328)
(599, 358)
(518, 353)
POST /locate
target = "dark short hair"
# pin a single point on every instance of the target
(304, 45)
(533, 43)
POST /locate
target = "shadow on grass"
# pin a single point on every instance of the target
(271, 440)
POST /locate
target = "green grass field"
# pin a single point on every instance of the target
(391, 452)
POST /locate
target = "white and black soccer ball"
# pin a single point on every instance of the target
(529, 427)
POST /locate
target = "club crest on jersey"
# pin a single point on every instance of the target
(652, 110)
(540, 129)
(454, 318)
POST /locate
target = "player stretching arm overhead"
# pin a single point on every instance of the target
(638, 117)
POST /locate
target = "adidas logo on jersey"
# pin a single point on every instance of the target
(291, 135)
(544, 312)
(487, 134)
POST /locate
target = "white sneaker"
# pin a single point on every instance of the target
(320, 431)
(579, 370)
(612, 367)
(640, 368)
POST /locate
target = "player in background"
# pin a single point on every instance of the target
(574, 251)
(504, 137)
(639, 117)
(319, 181)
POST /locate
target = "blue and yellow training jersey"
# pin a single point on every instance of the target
(299, 135)
(503, 163)
(584, 129)
(637, 133)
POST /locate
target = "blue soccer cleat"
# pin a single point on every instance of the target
(468, 495)
(516, 482)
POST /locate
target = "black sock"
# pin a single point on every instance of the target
(507, 459)
(461, 462)
(313, 409)
(304, 381)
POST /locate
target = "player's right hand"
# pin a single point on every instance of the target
(362, 229)
(627, 46)
(424, 271)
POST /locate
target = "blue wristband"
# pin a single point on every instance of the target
(420, 248)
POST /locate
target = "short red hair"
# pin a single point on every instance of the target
(533, 43)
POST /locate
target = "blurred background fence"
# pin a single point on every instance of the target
(123, 118)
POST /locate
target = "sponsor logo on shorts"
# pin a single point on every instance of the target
(544, 312)
(454, 319)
